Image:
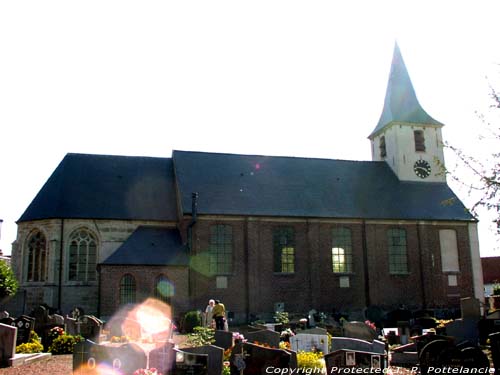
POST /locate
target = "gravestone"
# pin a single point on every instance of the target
(124, 359)
(24, 325)
(463, 330)
(215, 357)
(71, 327)
(9, 321)
(347, 343)
(426, 322)
(309, 343)
(254, 359)
(90, 327)
(3, 315)
(190, 363)
(57, 319)
(495, 351)
(313, 331)
(223, 339)
(358, 330)
(8, 336)
(473, 357)
(162, 358)
(268, 337)
(374, 314)
(471, 308)
(398, 315)
(340, 360)
(439, 354)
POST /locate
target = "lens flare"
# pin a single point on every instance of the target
(165, 288)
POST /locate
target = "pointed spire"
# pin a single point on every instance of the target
(401, 103)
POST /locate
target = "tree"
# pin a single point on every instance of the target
(484, 185)
(8, 282)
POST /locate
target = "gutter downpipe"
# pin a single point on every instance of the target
(61, 248)
(421, 256)
(194, 214)
(365, 265)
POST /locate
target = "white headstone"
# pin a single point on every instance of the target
(309, 343)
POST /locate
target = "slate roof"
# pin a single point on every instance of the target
(151, 246)
(107, 187)
(401, 104)
(231, 184)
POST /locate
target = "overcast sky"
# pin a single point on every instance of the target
(294, 78)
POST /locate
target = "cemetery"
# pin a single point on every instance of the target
(144, 341)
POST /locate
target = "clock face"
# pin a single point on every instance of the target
(422, 168)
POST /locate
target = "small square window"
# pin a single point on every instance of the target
(344, 282)
(452, 280)
(221, 282)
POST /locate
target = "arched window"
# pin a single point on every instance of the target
(82, 256)
(37, 257)
(164, 289)
(127, 289)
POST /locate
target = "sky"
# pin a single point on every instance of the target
(292, 78)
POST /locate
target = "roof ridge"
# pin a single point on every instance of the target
(275, 156)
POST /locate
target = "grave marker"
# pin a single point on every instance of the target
(223, 339)
(8, 336)
(215, 357)
(268, 337)
(309, 343)
(358, 330)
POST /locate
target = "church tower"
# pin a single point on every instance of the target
(406, 137)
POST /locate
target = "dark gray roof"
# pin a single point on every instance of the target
(153, 246)
(107, 187)
(301, 187)
(401, 103)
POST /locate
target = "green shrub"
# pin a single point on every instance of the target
(32, 346)
(8, 282)
(192, 319)
(201, 336)
(309, 360)
(281, 317)
(64, 344)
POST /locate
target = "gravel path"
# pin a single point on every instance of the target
(55, 365)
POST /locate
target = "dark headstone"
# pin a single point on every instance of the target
(7, 343)
(254, 359)
(124, 359)
(347, 343)
(439, 354)
(495, 351)
(90, 327)
(9, 321)
(163, 358)
(24, 325)
(358, 330)
(215, 357)
(339, 360)
(426, 322)
(374, 314)
(190, 363)
(463, 330)
(473, 357)
(223, 339)
(399, 315)
(471, 308)
(268, 337)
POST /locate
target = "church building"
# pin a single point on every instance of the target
(257, 232)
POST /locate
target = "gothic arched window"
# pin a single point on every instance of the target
(82, 256)
(37, 257)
